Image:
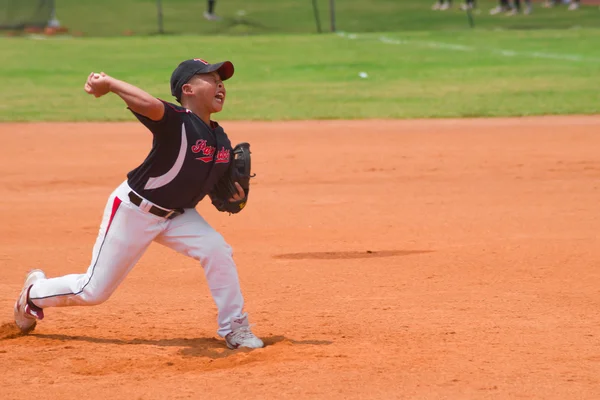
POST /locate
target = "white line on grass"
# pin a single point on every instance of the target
(463, 48)
(435, 45)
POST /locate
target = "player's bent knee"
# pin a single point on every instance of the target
(218, 247)
(214, 247)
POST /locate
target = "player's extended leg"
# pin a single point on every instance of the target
(191, 235)
(124, 235)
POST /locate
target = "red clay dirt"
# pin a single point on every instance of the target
(445, 259)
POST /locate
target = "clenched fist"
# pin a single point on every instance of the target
(97, 84)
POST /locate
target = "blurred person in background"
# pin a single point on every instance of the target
(573, 4)
(447, 4)
(442, 5)
(469, 5)
(517, 8)
(502, 7)
(209, 14)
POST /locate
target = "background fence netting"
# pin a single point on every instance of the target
(20, 14)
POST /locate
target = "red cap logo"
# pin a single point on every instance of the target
(201, 60)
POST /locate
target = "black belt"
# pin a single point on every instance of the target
(159, 212)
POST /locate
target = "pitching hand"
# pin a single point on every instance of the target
(97, 84)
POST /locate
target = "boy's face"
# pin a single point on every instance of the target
(206, 91)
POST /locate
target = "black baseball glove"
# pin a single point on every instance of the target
(225, 189)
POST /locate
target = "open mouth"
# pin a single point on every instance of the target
(220, 97)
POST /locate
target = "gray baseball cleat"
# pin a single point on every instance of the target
(241, 335)
(211, 16)
(27, 314)
(498, 10)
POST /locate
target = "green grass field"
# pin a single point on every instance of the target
(412, 74)
(421, 63)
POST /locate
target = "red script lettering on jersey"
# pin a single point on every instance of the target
(222, 156)
(208, 151)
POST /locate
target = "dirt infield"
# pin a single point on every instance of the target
(452, 259)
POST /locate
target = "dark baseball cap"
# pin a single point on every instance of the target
(188, 68)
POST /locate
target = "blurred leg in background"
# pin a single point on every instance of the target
(502, 7)
(209, 14)
(574, 5)
(469, 5)
(517, 8)
(442, 5)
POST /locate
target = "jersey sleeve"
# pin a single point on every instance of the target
(170, 122)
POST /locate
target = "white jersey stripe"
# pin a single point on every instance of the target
(160, 181)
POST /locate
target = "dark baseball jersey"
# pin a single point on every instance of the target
(187, 159)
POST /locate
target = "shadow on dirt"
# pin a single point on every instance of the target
(197, 347)
(343, 255)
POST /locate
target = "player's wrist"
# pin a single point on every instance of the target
(110, 82)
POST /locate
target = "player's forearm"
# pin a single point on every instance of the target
(137, 99)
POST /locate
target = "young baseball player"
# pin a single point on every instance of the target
(190, 154)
